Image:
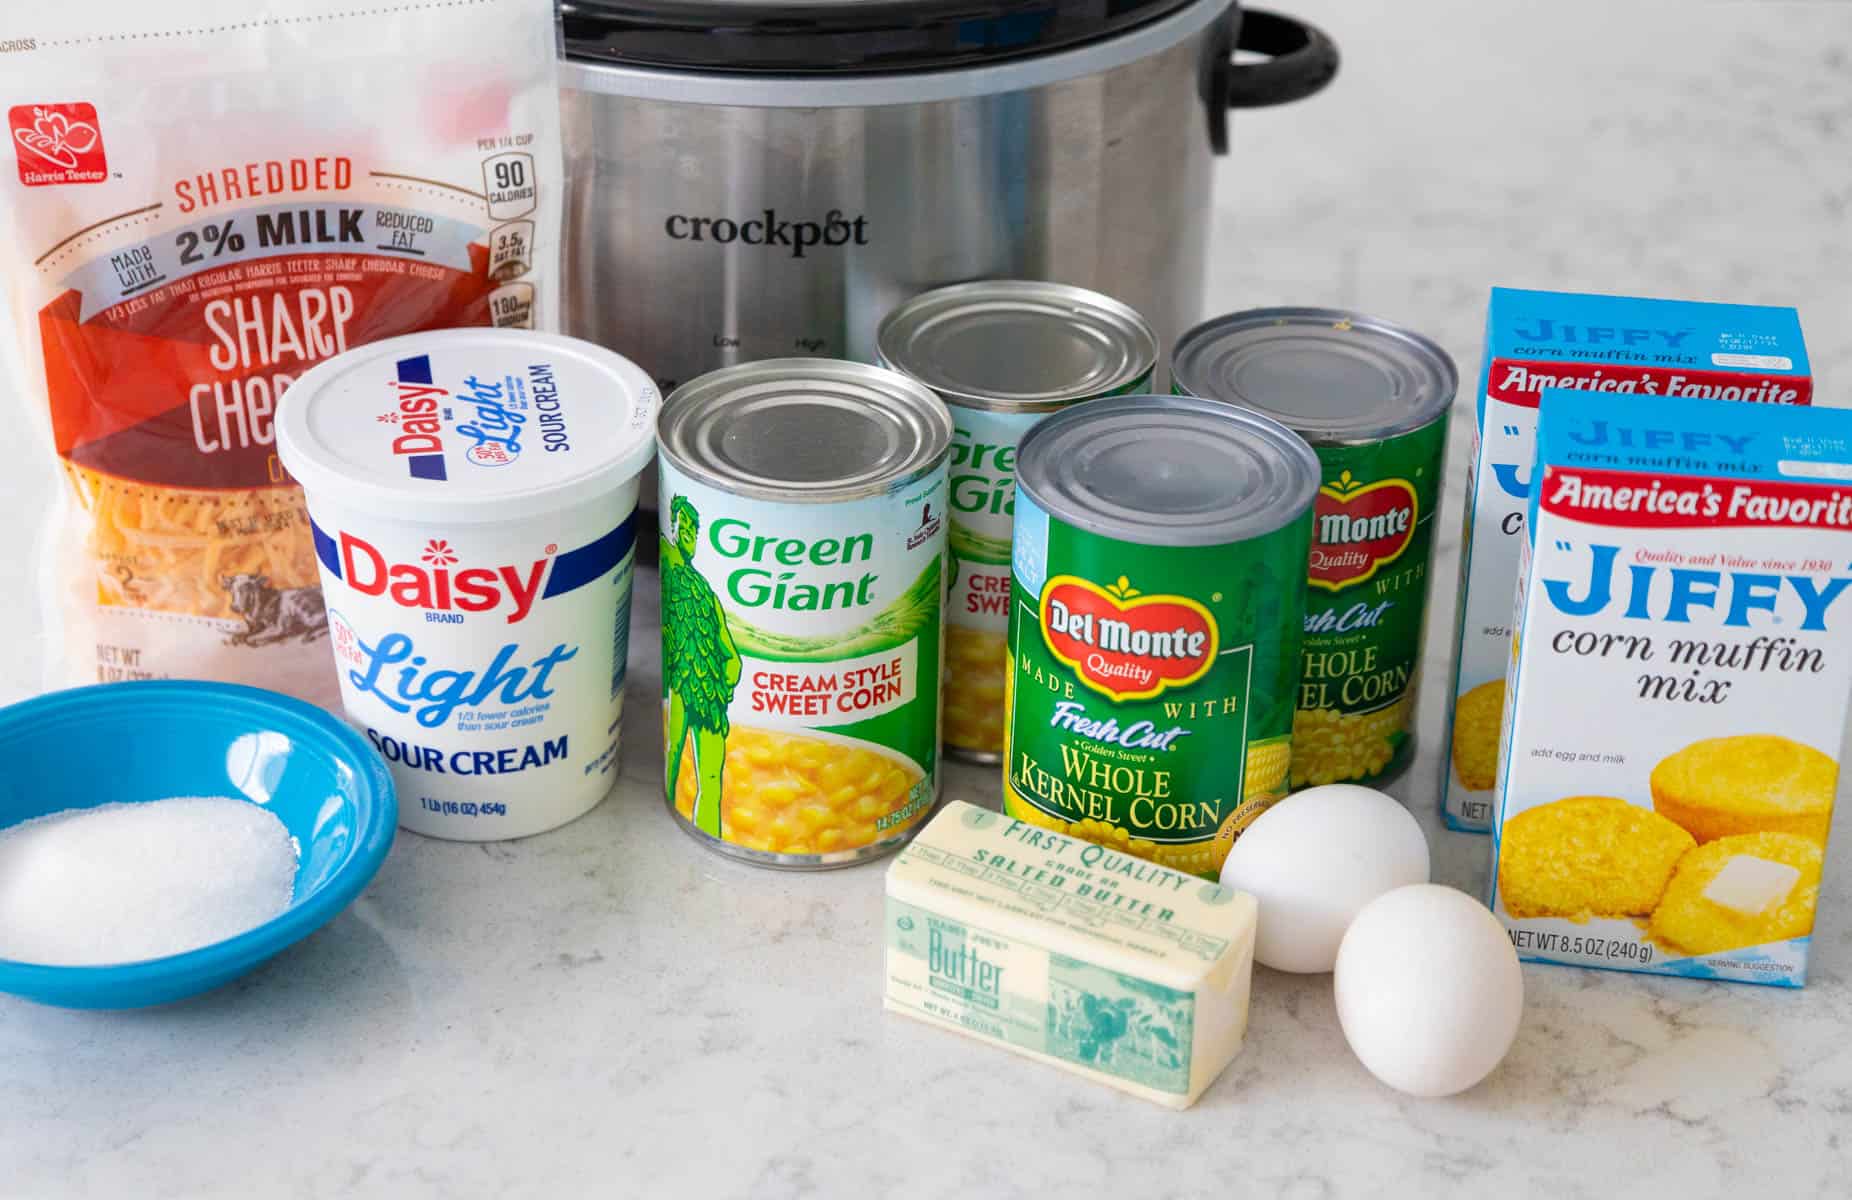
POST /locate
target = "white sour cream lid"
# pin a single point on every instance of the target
(468, 425)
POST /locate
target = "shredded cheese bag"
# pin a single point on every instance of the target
(199, 200)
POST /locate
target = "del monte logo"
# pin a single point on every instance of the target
(1359, 528)
(1123, 643)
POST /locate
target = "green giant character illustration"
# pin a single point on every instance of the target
(700, 667)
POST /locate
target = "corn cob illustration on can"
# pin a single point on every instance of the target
(1157, 602)
(1003, 354)
(803, 533)
(1372, 399)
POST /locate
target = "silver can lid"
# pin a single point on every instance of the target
(1018, 346)
(1167, 471)
(1334, 377)
(804, 430)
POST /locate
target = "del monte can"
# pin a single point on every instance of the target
(1372, 399)
(1157, 600)
(1003, 354)
(803, 511)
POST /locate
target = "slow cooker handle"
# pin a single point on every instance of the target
(1301, 60)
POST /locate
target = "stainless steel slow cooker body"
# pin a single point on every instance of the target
(720, 216)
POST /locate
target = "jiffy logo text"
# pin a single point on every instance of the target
(1542, 329)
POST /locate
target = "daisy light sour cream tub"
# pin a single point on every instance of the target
(473, 500)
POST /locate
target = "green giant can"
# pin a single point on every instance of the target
(802, 544)
(1372, 399)
(1157, 599)
(1002, 354)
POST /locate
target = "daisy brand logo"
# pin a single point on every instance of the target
(1123, 643)
(57, 143)
(434, 583)
(417, 420)
(1360, 528)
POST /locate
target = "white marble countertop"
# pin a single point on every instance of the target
(609, 1009)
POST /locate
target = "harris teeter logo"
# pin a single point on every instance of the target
(1122, 643)
(1359, 528)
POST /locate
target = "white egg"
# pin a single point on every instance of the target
(1313, 860)
(1428, 989)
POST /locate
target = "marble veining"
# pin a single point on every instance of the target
(610, 1010)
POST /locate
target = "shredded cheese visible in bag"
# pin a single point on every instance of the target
(168, 550)
(202, 203)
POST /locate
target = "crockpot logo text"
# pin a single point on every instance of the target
(835, 229)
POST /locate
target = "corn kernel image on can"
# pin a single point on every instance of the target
(803, 535)
(1157, 601)
(1372, 399)
(1002, 354)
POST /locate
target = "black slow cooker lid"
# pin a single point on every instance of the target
(827, 37)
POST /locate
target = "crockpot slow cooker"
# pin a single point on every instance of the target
(752, 180)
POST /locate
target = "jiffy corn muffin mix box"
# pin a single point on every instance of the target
(1617, 346)
(1679, 690)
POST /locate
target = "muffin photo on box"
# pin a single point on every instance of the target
(1476, 717)
(1744, 890)
(1752, 783)
(1588, 856)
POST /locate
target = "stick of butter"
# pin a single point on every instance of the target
(1098, 962)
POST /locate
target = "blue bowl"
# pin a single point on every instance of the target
(129, 742)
